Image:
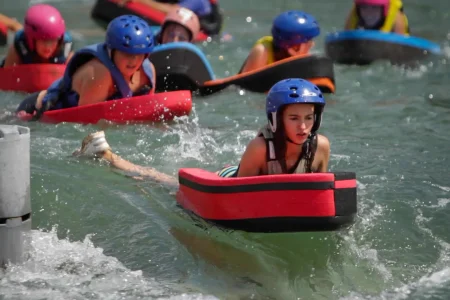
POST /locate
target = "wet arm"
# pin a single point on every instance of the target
(324, 150)
(139, 171)
(400, 24)
(256, 59)
(12, 24)
(12, 58)
(92, 82)
(253, 159)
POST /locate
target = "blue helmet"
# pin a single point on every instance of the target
(294, 27)
(291, 91)
(130, 34)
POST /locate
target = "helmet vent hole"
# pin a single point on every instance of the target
(126, 25)
(320, 96)
(136, 27)
(127, 41)
(293, 88)
(294, 95)
(316, 88)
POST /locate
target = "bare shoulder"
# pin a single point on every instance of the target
(94, 67)
(256, 150)
(260, 49)
(323, 146)
(322, 156)
(323, 142)
(257, 145)
(92, 71)
(253, 159)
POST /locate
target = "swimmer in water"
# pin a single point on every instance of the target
(180, 25)
(382, 15)
(43, 40)
(292, 35)
(10, 23)
(288, 144)
(118, 68)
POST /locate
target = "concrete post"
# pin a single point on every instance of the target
(15, 205)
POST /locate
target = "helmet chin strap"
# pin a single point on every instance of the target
(110, 53)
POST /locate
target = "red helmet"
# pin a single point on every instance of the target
(185, 18)
(43, 21)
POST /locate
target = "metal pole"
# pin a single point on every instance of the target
(15, 205)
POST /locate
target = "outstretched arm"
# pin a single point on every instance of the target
(256, 59)
(137, 171)
(95, 144)
(12, 24)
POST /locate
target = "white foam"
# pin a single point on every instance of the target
(60, 269)
(422, 286)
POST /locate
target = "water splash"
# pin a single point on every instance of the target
(60, 269)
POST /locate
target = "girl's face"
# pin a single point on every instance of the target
(298, 120)
(371, 14)
(128, 64)
(300, 49)
(175, 33)
(46, 48)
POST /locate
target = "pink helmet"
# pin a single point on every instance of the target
(43, 21)
(384, 3)
(186, 18)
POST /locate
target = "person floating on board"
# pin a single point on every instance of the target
(43, 40)
(180, 25)
(118, 68)
(10, 23)
(208, 11)
(288, 144)
(292, 35)
(382, 15)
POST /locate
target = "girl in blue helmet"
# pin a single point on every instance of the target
(117, 68)
(292, 35)
(288, 144)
